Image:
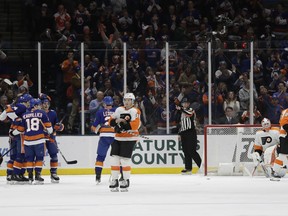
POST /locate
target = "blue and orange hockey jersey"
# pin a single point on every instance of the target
(34, 125)
(101, 122)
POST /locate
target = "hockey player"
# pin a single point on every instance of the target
(107, 134)
(19, 164)
(51, 143)
(265, 146)
(34, 123)
(281, 162)
(16, 164)
(126, 122)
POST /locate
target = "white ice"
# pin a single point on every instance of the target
(166, 195)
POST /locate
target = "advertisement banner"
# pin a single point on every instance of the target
(156, 152)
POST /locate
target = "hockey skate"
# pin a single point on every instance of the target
(124, 185)
(24, 179)
(30, 177)
(38, 179)
(186, 172)
(98, 179)
(114, 185)
(54, 178)
(9, 179)
(17, 179)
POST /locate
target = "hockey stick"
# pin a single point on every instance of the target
(136, 135)
(63, 118)
(53, 141)
(68, 162)
(1, 156)
(265, 170)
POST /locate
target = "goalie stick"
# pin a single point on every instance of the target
(265, 170)
(53, 141)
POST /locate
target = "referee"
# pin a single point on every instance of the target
(188, 136)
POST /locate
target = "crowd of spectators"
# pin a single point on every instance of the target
(145, 26)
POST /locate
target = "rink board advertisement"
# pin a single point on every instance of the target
(158, 152)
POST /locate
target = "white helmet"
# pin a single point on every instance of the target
(127, 103)
(266, 124)
(129, 96)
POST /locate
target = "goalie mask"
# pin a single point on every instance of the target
(266, 124)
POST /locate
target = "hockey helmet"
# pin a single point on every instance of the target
(21, 99)
(34, 102)
(108, 100)
(129, 96)
(25, 98)
(266, 124)
(44, 98)
(19, 109)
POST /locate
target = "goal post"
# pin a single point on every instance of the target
(228, 148)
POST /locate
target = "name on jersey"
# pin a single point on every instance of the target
(33, 115)
(107, 113)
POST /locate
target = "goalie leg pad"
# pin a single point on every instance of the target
(270, 155)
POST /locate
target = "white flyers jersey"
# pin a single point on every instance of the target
(265, 139)
(134, 114)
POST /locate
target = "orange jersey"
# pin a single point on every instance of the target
(283, 121)
(283, 118)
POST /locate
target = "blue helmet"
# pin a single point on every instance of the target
(108, 100)
(34, 102)
(25, 98)
(21, 99)
(19, 109)
(43, 96)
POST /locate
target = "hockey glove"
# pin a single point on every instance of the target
(59, 127)
(11, 135)
(118, 128)
(125, 125)
(256, 158)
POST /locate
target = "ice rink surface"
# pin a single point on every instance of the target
(148, 195)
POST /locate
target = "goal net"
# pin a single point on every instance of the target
(228, 148)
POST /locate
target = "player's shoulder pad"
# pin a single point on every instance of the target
(275, 129)
(136, 110)
(259, 131)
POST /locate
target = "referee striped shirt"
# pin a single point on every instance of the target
(187, 119)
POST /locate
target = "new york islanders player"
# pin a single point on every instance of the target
(126, 122)
(19, 164)
(16, 165)
(281, 162)
(107, 134)
(33, 125)
(51, 143)
(265, 146)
